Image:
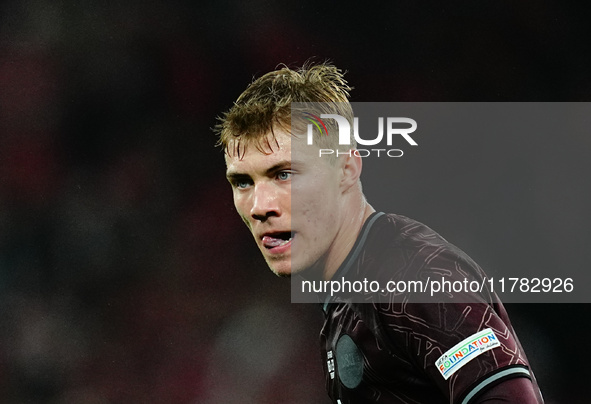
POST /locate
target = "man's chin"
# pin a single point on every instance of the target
(284, 268)
(280, 265)
(283, 271)
(287, 269)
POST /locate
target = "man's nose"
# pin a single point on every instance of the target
(265, 202)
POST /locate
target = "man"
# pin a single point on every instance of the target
(375, 352)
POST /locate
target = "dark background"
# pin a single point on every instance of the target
(125, 274)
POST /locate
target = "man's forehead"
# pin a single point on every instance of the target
(278, 145)
(267, 144)
(254, 160)
(251, 152)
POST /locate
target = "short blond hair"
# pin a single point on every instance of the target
(266, 104)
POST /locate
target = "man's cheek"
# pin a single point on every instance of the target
(246, 221)
(240, 209)
(241, 214)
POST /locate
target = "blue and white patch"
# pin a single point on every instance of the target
(462, 353)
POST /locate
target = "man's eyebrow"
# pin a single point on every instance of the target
(282, 165)
(233, 175)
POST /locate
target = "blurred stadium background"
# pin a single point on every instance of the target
(126, 276)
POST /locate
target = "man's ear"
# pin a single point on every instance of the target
(351, 166)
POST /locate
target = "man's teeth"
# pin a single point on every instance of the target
(284, 242)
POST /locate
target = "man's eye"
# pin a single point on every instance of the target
(242, 184)
(284, 175)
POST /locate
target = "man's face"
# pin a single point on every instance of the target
(289, 201)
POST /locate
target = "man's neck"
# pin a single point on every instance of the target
(346, 240)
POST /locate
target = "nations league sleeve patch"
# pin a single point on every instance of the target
(462, 353)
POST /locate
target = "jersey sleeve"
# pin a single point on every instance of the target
(518, 390)
(463, 348)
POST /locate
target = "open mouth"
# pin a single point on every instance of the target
(278, 239)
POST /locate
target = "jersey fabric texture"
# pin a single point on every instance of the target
(391, 351)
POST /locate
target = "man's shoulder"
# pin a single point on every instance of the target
(403, 248)
(394, 232)
(392, 227)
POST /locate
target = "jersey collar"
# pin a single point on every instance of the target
(354, 253)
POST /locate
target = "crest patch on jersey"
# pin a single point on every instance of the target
(349, 362)
(462, 353)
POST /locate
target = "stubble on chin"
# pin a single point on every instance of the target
(279, 268)
(281, 273)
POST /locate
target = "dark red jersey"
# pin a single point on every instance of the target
(397, 351)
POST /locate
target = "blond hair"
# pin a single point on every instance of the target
(266, 104)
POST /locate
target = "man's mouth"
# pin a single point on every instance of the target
(279, 239)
